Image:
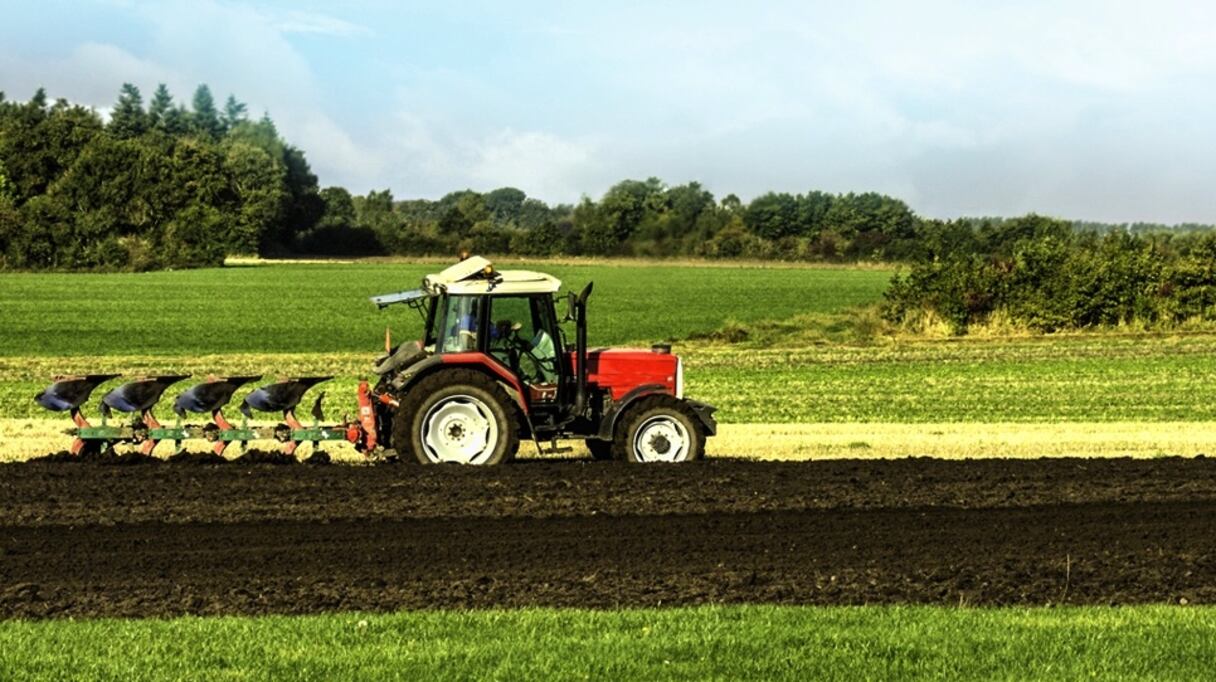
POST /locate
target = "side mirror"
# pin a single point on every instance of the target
(570, 303)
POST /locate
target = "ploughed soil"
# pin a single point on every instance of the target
(167, 538)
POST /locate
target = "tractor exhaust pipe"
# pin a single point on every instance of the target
(580, 350)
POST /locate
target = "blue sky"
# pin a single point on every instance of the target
(1090, 110)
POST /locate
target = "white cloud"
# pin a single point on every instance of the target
(547, 165)
(429, 158)
(321, 24)
(90, 75)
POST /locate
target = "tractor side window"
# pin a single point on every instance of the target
(460, 318)
(520, 341)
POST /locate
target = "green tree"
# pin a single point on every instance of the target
(773, 216)
(338, 232)
(687, 203)
(261, 189)
(619, 213)
(546, 239)
(234, 113)
(534, 213)
(375, 214)
(339, 213)
(160, 107)
(128, 118)
(454, 223)
(505, 205)
(306, 204)
(813, 208)
(38, 143)
(178, 120)
(205, 119)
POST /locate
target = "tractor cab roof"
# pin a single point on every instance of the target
(476, 276)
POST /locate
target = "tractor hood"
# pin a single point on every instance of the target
(621, 370)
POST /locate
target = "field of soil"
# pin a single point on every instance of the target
(160, 538)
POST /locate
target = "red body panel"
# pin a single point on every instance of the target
(475, 358)
(620, 370)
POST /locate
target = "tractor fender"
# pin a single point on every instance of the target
(703, 411)
(478, 361)
(618, 407)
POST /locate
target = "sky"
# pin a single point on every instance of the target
(1086, 110)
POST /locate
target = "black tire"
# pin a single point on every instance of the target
(444, 384)
(601, 450)
(645, 413)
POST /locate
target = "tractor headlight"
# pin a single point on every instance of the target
(680, 378)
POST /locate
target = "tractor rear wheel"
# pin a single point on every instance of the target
(456, 416)
(659, 429)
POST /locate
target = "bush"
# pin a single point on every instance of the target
(1051, 282)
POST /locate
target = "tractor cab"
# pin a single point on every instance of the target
(508, 316)
(471, 309)
(493, 360)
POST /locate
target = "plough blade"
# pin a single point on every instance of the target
(284, 396)
(210, 397)
(141, 396)
(70, 392)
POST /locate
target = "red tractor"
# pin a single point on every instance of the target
(494, 367)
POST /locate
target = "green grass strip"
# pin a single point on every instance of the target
(744, 642)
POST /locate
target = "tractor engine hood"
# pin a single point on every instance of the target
(620, 370)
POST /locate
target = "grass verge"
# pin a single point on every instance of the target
(741, 642)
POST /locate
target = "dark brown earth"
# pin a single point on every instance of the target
(173, 538)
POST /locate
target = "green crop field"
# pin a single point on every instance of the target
(301, 308)
(1065, 379)
(726, 643)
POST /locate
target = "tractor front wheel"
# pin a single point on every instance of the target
(456, 416)
(659, 429)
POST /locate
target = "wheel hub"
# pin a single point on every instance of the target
(660, 444)
(662, 438)
(460, 429)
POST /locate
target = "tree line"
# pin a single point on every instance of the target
(156, 186)
(165, 185)
(1045, 275)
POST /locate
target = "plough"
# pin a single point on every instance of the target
(138, 398)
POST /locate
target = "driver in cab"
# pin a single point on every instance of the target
(504, 335)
